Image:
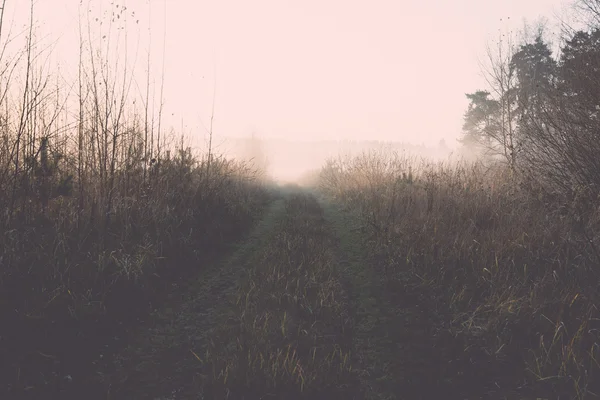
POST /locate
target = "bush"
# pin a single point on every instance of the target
(77, 265)
(511, 268)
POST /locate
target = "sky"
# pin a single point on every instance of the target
(390, 70)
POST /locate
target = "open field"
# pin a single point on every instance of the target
(153, 247)
(379, 285)
(505, 272)
(71, 288)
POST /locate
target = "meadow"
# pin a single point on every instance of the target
(135, 265)
(507, 268)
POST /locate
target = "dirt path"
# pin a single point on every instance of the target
(394, 338)
(296, 312)
(159, 361)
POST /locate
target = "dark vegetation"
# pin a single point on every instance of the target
(100, 214)
(511, 286)
(290, 336)
(504, 251)
(167, 354)
(437, 280)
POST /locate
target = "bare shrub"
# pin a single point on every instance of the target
(97, 217)
(511, 270)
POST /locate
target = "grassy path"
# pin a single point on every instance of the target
(394, 339)
(370, 314)
(159, 361)
(296, 312)
(272, 321)
(290, 337)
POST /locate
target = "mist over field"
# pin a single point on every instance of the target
(288, 161)
(391, 71)
(299, 200)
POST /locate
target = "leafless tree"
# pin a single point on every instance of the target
(588, 11)
(501, 79)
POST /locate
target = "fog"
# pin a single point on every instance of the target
(303, 76)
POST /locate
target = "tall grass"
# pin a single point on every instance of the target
(99, 212)
(289, 334)
(510, 267)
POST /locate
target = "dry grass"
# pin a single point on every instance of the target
(511, 271)
(99, 210)
(68, 284)
(290, 335)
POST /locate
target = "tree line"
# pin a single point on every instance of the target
(540, 111)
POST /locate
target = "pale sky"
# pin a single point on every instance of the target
(310, 69)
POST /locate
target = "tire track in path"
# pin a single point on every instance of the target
(159, 363)
(296, 312)
(393, 340)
